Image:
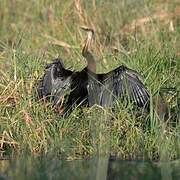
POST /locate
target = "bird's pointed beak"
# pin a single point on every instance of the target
(87, 29)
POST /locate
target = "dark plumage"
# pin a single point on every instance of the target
(122, 82)
(57, 82)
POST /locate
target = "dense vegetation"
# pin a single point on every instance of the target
(143, 35)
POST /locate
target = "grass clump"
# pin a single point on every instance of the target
(145, 38)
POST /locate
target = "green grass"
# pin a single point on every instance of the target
(29, 36)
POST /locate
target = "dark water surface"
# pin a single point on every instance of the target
(29, 168)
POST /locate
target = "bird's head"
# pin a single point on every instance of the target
(89, 39)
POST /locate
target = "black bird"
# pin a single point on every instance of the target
(60, 84)
(122, 82)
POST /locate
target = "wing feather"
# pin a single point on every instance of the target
(140, 91)
(136, 89)
(126, 83)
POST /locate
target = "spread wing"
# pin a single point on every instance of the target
(124, 82)
(55, 82)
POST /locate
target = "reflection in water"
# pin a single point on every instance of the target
(54, 168)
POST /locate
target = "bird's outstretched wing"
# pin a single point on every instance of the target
(125, 83)
(55, 81)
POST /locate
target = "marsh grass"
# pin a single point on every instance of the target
(143, 35)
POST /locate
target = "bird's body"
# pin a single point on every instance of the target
(89, 86)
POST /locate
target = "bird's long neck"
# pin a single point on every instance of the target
(91, 62)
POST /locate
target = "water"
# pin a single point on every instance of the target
(51, 168)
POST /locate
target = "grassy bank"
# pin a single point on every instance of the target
(143, 35)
